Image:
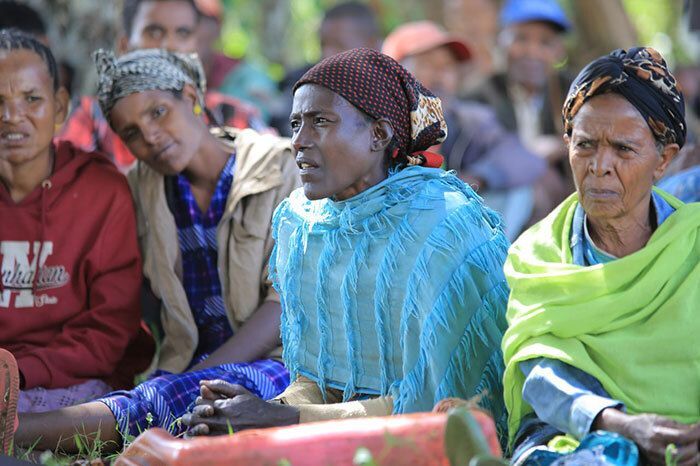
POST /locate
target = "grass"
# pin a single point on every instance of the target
(90, 448)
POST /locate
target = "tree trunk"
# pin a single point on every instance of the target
(602, 25)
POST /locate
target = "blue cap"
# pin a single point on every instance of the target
(521, 11)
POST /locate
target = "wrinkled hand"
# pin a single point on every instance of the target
(653, 434)
(224, 407)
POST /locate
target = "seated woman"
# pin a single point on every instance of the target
(389, 269)
(605, 290)
(204, 202)
(71, 271)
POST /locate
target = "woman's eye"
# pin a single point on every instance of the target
(584, 145)
(320, 120)
(33, 98)
(294, 124)
(158, 111)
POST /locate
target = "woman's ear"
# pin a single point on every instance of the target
(382, 134)
(668, 153)
(189, 94)
(62, 101)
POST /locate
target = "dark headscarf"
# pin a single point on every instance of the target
(380, 87)
(145, 70)
(642, 77)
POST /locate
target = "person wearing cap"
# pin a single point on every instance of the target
(527, 96)
(389, 269)
(484, 154)
(603, 311)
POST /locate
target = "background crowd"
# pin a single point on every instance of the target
(502, 74)
(502, 70)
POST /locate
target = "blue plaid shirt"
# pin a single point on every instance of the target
(197, 237)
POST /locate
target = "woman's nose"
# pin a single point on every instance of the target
(11, 112)
(601, 163)
(300, 139)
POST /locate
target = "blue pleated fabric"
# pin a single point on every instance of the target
(397, 291)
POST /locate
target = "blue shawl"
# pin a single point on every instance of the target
(397, 291)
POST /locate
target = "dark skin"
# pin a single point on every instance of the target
(340, 152)
(30, 110)
(341, 34)
(532, 49)
(163, 24)
(615, 160)
(653, 434)
(162, 131)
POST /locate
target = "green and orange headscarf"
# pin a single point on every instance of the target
(640, 75)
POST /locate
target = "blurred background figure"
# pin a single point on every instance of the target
(346, 26)
(688, 77)
(487, 156)
(23, 17)
(235, 77)
(683, 178)
(528, 96)
(167, 24)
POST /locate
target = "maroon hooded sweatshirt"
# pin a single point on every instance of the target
(73, 320)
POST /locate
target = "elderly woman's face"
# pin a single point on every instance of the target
(159, 128)
(336, 147)
(614, 157)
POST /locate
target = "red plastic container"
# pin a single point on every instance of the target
(412, 440)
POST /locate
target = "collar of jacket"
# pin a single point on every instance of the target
(257, 170)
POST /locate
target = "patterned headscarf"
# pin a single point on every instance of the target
(642, 77)
(146, 70)
(381, 88)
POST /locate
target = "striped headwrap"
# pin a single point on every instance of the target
(380, 87)
(641, 76)
(145, 70)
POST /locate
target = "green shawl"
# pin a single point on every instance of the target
(632, 323)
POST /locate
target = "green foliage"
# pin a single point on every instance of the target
(279, 34)
(671, 452)
(363, 457)
(658, 24)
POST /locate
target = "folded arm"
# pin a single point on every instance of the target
(564, 396)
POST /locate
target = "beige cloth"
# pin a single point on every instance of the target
(305, 394)
(527, 116)
(264, 175)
